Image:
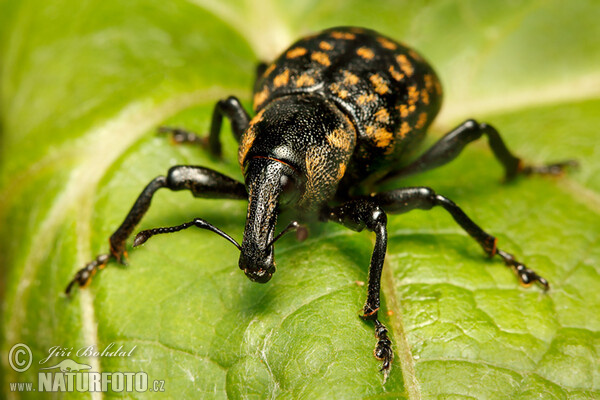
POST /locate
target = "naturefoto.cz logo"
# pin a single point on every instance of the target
(69, 375)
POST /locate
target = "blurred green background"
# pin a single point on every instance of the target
(83, 86)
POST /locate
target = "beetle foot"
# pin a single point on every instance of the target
(383, 350)
(84, 276)
(558, 168)
(526, 276)
(181, 136)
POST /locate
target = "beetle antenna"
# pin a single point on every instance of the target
(198, 222)
(292, 226)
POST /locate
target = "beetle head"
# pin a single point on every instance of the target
(268, 181)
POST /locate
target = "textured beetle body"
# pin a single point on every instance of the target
(389, 93)
(336, 114)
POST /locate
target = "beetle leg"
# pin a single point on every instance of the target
(202, 182)
(230, 108)
(369, 212)
(183, 136)
(406, 199)
(357, 215)
(450, 146)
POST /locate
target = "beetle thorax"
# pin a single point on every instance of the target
(311, 135)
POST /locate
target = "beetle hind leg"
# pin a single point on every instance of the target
(452, 144)
(230, 108)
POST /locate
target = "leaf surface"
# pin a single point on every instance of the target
(83, 87)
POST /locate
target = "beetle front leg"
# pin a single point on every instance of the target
(357, 215)
(452, 144)
(230, 108)
(202, 182)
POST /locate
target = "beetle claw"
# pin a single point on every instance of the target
(180, 136)
(84, 276)
(383, 351)
(526, 275)
(557, 168)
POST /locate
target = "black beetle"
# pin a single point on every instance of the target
(336, 114)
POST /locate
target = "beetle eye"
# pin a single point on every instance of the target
(288, 188)
(286, 183)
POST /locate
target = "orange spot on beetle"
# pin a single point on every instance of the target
(381, 136)
(383, 116)
(413, 95)
(305, 80)
(404, 129)
(297, 52)
(428, 82)
(365, 53)
(425, 96)
(405, 65)
(325, 46)
(366, 98)
(415, 55)
(405, 110)
(342, 35)
(260, 97)
(379, 83)
(350, 78)
(421, 121)
(257, 118)
(269, 70)
(321, 58)
(386, 43)
(432, 83)
(395, 74)
(282, 79)
(338, 91)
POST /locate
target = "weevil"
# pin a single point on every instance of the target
(336, 115)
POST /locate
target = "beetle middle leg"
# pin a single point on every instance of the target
(230, 108)
(451, 145)
(202, 182)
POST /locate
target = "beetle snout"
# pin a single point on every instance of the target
(260, 276)
(258, 269)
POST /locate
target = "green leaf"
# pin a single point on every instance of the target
(83, 87)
